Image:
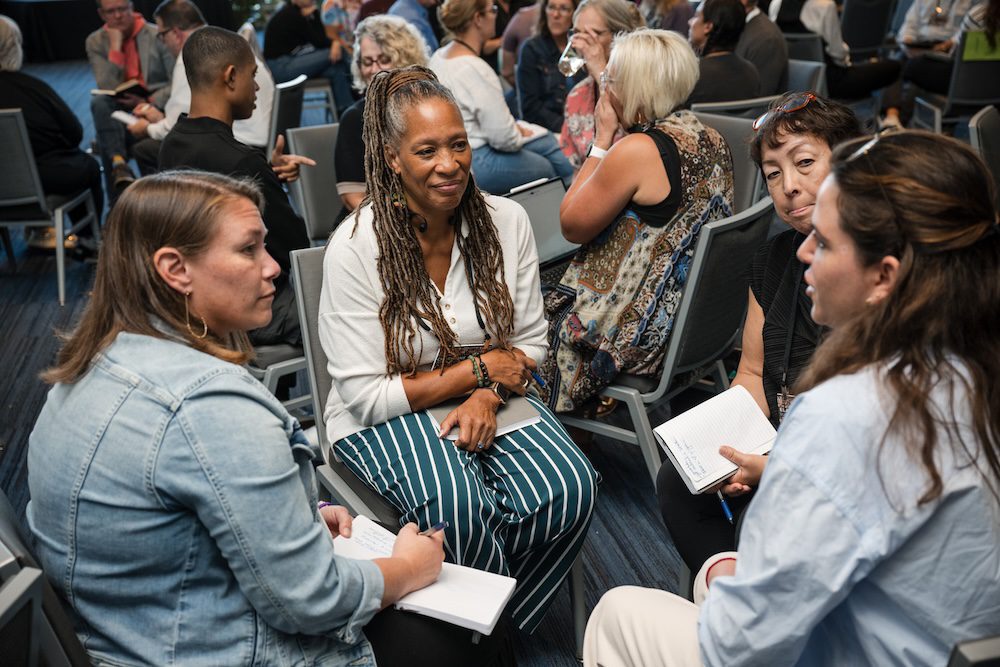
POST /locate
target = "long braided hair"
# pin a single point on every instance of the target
(409, 295)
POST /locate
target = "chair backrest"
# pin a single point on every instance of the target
(806, 75)
(57, 638)
(804, 46)
(715, 296)
(249, 33)
(984, 135)
(748, 108)
(20, 611)
(746, 176)
(977, 653)
(541, 203)
(20, 188)
(865, 24)
(314, 190)
(286, 109)
(974, 79)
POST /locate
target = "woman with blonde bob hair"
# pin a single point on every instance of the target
(637, 208)
(195, 531)
(874, 538)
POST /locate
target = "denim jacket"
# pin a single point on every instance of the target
(173, 502)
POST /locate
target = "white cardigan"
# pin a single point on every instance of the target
(349, 329)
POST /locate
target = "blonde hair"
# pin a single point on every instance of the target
(11, 53)
(397, 38)
(620, 15)
(455, 15)
(652, 73)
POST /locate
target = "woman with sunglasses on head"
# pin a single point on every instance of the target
(874, 538)
(431, 293)
(381, 43)
(505, 154)
(792, 146)
(636, 208)
(541, 87)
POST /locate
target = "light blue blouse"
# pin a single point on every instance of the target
(839, 563)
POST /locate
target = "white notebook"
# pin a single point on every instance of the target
(461, 596)
(692, 439)
(515, 414)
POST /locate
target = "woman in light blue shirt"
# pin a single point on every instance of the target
(173, 499)
(874, 538)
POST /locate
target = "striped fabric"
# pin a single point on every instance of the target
(521, 508)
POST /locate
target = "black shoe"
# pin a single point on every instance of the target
(122, 177)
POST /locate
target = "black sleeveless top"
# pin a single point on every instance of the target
(658, 215)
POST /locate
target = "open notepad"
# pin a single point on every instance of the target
(692, 439)
(462, 595)
(515, 414)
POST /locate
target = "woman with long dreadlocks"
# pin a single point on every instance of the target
(431, 292)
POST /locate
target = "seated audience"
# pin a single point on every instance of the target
(764, 46)
(636, 208)
(340, 18)
(873, 537)
(667, 14)
(506, 11)
(295, 43)
(932, 72)
(792, 147)
(595, 24)
(450, 309)
(417, 14)
(53, 129)
(714, 33)
(541, 87)
(220, 70)
(929, 25)
(373, 8)
(381, 43)
(176, 20)
(520, 27)
(504, 154)
(844, 79)
(195, 536)
(123, 49)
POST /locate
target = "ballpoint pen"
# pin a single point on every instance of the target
(538, 379)
(725, 506)
(439, 526)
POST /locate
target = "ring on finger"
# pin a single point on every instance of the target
(479, 447)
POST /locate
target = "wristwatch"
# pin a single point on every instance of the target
(502, 392)
(594, 151)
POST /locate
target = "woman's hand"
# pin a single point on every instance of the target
(592, 52)
(476, 419)
(605, 121)
(338, 520)
(747, 477)
(511, 369)
(415, 563)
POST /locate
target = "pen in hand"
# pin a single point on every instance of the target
(538, 379)
(441, 525)
(725, 506)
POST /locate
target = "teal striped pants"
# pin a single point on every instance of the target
(521, 508)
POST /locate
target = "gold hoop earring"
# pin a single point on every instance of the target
(187, 320)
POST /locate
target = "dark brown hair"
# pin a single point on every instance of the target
(825, 119)
(928, 201)
(178, 209)
(542, 26)
(180, 14)
(409, 296)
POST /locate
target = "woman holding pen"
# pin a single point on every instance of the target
(873, 538)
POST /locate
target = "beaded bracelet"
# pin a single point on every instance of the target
(323, 504)
(475, 370)
(485, 372)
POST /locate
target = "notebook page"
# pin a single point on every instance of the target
(368, 541)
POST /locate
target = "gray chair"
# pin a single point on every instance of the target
(336, 478)
(541, 202)
(286, 108)
(806, 75)
(864, 25)
(705, 327)
(738, 132)
(976, 653)
(57, 643)
(974, 84)
(319, 95)
(984, 135)
(20, 611)
(23, 202)
(314, 193)
(804, 46)
(273, 362)
(748, 108)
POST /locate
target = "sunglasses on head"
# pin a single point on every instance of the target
(791, 105)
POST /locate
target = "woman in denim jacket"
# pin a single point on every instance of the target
(173, 498)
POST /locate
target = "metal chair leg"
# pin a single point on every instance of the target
(59, 220)
(578, 604)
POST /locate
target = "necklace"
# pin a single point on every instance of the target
(465, 44)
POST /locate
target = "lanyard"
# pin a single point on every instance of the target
(784, 398)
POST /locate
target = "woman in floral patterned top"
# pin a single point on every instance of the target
(638, 224)
(595, 24)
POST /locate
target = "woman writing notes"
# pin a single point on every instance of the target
(450, 309)
(874, 538)
(173, 499)
(792, 146)
(637, 208)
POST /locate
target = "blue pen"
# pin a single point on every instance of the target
(538, 379)
(725, 506)
(439, 526)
